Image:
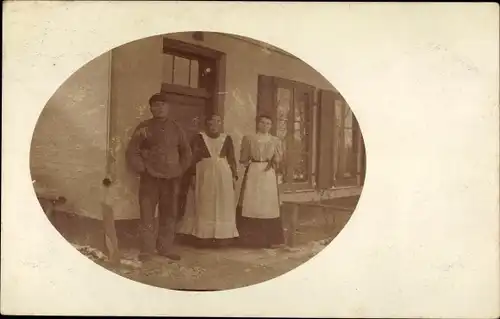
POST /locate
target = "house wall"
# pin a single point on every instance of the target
(68, 151)
(245, 61)
(69, 146)
(136, 75)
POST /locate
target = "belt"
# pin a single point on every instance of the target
(257, 161)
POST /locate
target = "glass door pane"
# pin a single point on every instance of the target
(284, 106)
(300, 165)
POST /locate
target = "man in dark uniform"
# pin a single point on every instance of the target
(159, 151)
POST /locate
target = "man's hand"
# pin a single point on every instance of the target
(192, 183)
(140, 167)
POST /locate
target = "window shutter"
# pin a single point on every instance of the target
(266, 98)
(326, 128)
(358, 151)
(363, 160)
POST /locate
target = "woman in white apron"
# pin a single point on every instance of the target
(210, 210)
(259, 220)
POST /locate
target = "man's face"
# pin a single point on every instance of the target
(160, 109)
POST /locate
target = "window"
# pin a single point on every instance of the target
(290, 104)
(337, 150)
(195, 74)
(344, 150)
(180, 71)
(187, 75)
(301, 143)
(341, 157)
(190, 70)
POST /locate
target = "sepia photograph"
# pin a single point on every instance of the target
(245, 159)
(198, 161)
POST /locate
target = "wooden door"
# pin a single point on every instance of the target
(189, 72)
(193, 79)
(190, 114)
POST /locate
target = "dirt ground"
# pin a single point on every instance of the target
(213, 269)
(209, 269)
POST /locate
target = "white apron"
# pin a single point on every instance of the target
(210, 210)
(260, 195)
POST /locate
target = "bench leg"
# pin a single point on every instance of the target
(292, 226)
(326, 216)
(49, 211)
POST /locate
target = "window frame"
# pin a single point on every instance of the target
(295, 88)
(202, 91)
(357, 178)
(212, 93)
(338, 180)
(331, 144)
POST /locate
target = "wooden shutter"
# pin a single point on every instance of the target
(326, 128)
(266, 98)
(357, 168)
(362, 168)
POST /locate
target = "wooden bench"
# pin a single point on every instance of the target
(291, 210)
(50, 203)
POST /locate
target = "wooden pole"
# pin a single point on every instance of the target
(109, 123)
(293, 218)
(110, 237)
(110, 234)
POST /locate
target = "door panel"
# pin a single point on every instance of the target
(190, 116)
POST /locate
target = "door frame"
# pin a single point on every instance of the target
(178, 47)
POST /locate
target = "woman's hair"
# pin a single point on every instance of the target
(264, 116)
(211, 116)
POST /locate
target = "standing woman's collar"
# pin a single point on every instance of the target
(263, 134)
(212, 135)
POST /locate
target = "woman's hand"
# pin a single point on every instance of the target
(270, 165)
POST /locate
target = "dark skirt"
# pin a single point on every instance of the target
(259, 233)
(194, 241)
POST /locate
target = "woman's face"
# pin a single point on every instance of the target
(264, 125)
(214, 124)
